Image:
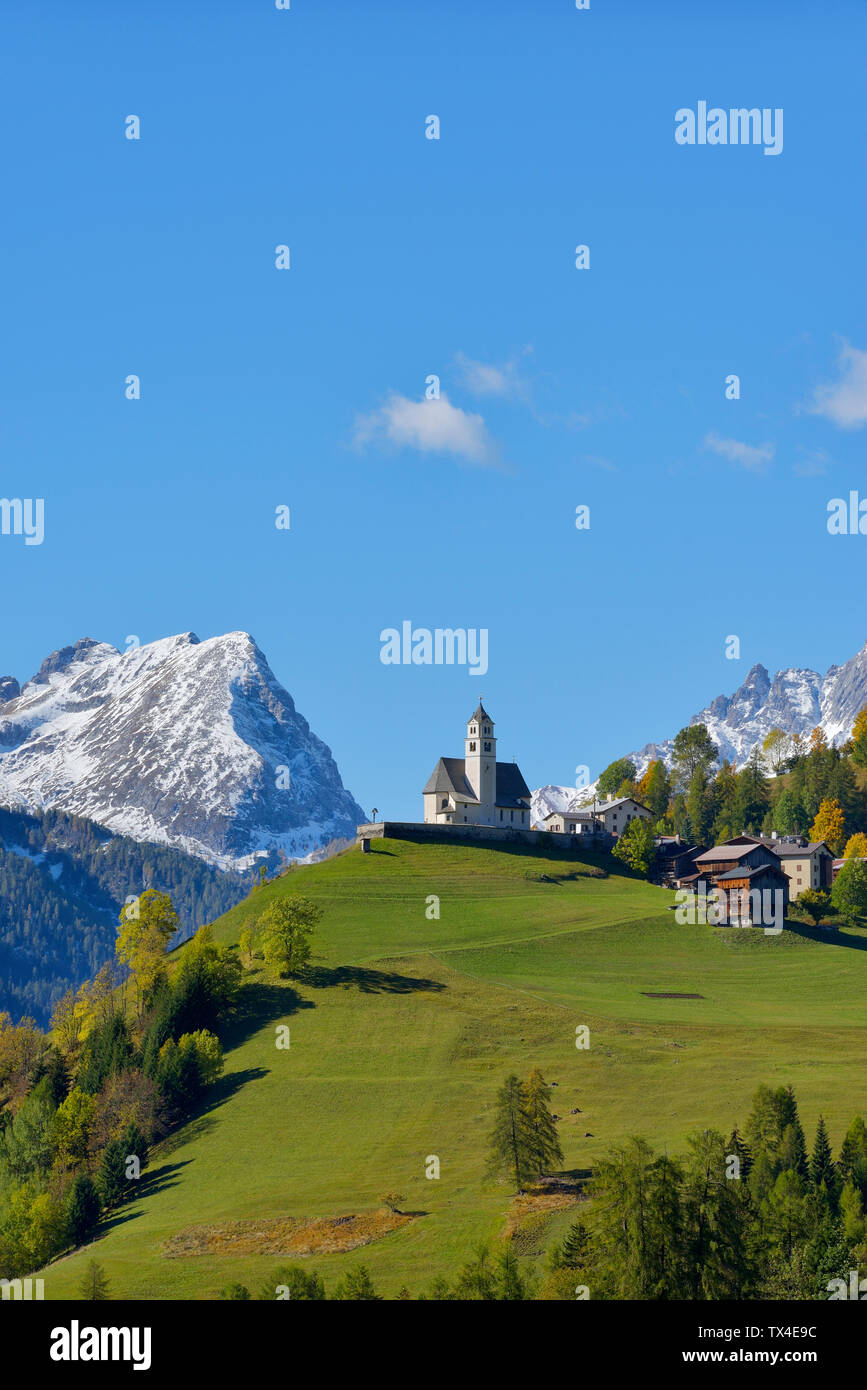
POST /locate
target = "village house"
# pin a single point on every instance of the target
(735, 870)
(616, 815)
(476, 789)
(572, 822)
(674, 860)
(806, 863)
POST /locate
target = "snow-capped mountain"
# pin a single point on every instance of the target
(796, 700)
(187, 743)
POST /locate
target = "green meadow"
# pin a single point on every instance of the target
(409, 1022)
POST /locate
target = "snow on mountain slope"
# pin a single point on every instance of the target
(796, 700)
(181, 742)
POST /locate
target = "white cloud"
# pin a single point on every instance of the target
(484, 379)
(845, 402)
(755, 457)
(431, 426)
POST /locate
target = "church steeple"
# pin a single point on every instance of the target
(480, 758)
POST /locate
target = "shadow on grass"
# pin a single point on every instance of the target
(829, 936)
(368, 981)
(259, 1003)
(153, 1181)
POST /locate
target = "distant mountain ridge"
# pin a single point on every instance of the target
(186, 743)
(797, 700)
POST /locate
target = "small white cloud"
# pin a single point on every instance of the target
(755, 457)
(814, 463)
(845, 402)
(431, 426)
(484, 379)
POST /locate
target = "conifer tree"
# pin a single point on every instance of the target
(94, 1283)
(738, 1145)
(575, 1250)
(546, 1143)
(513, 1140)
(111, 1178)
(823, 1172)
(82, 1210)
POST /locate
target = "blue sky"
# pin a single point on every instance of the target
(454, 257)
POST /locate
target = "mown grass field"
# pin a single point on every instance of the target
(409, 1024)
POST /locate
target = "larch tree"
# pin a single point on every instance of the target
(513, 1142)
(547, 1152)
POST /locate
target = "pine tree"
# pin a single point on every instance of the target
(94, 1283)
(546, 1143)
(82, 1210)
(513, 1141)
(823, 1173)
(111, 1178)
(575, 1250)
(739, 1146)
(135, 1145)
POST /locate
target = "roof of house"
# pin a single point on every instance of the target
(620, 801)
(785, 849)
(750, 873)
(798, 851)
(449, 776)
(569, 815)
(722, 852)
(677, 851)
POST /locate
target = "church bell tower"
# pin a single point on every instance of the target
(480, 761)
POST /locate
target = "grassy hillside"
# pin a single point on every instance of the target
(408, 1025)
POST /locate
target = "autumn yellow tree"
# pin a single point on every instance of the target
(66, 1024)
(856, 846)
(147, 924)
(818, 739)
(859, 738)
(829, 825)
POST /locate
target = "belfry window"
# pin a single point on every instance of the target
(472, 748)
(487, 747)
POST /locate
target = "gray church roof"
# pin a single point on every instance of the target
(449, 777)
(480, 714)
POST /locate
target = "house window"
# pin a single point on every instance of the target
(501, 815)
(445, 802)
(511, 815)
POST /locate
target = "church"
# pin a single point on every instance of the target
(476, 789)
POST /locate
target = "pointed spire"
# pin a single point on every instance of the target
(480, 714)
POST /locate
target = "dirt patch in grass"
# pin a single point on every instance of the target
(286, 1235)
(530, 1211)
(647, 994)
